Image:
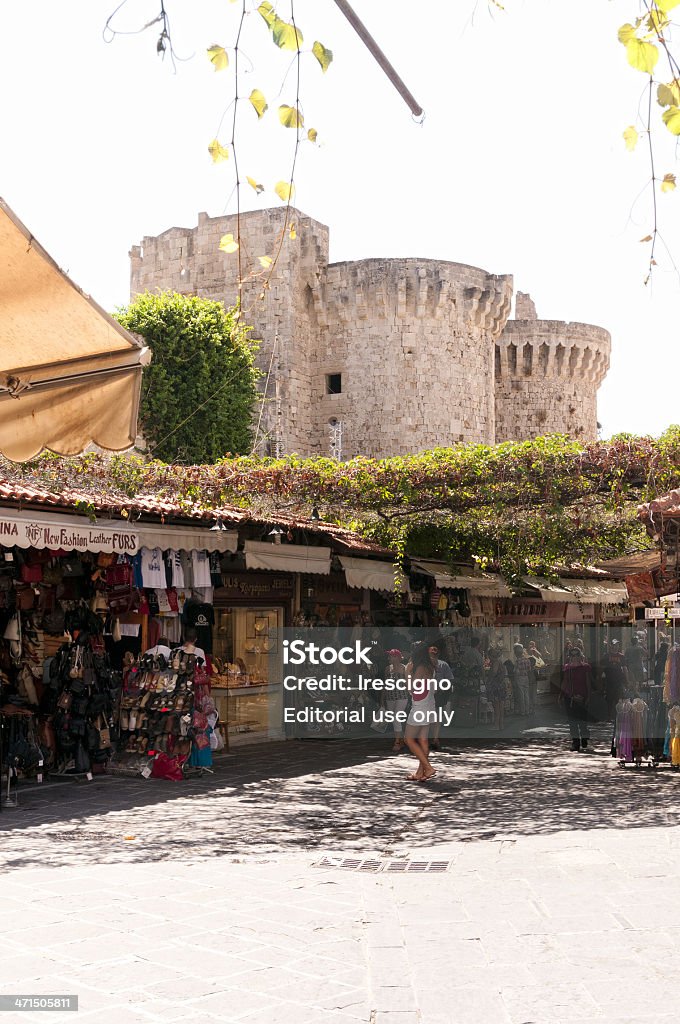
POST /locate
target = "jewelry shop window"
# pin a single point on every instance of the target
(245, 644)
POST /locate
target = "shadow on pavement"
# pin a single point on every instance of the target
(352, 796)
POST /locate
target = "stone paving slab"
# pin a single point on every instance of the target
(203, 902)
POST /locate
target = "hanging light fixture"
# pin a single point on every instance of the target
(315, 515)
(217, 525)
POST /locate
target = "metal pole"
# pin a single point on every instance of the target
(368, 40)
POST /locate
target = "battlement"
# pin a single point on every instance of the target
(550, 348)
(419, 289)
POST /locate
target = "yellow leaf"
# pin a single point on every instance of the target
(667, 5)
(671, 118)
(228, 243)
(290, 117)
(630, 137)
(218, 152)
(292, 233)
(669, 95)
(668, 183)
(647, 238)
(218, 57)
(259, 102)
(265, 261)
(323, 55)
(267, 12)
(285, 190)
(253, 184)
(625, 33)
(657, 22)
(642, 56)
(312, 134)
(286, 37)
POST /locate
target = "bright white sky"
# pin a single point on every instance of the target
(519, 166)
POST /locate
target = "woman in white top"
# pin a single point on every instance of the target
(418, 722)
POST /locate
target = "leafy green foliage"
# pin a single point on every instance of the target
(199, 392)
(529, 506)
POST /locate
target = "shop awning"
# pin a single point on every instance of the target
(77, 533)
(287, 557)
(186, 538)
(370, 574)
(72, 533)
(483, 584)
(580, 591)
(70, 375)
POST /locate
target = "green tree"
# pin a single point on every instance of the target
(199, 393)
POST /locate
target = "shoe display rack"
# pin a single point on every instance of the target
(156, 706)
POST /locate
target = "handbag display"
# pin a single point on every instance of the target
(31, 573)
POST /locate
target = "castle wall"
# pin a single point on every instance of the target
(188, 260)
(424, 351)
(547, 376)
(413, 341)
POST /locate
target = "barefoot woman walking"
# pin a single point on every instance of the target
(418, 723)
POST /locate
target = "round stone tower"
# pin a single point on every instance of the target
(404, 360)
(547, 376)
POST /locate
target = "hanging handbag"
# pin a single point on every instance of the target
(65, 700)
(104, 733)
(31, 573)
(72, 567)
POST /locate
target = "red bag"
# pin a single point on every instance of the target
(201, 741)
(119, 575)
(31, 573)
(165, 767)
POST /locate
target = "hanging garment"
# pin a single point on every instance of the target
(201, 569)
(153, 568)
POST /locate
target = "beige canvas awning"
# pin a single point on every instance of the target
(70, 375)
(370, 574)
(580, 591)
(483, 584)
(186, 538)
(287, 557)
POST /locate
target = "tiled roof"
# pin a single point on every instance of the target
(668, 506)
(117, 505)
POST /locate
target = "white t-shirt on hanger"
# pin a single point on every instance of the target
(201, 566)
(153, 568)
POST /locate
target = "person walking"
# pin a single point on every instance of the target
(441, 671)
(635, 662)
(497, 685)
(577, 678)
(524, 680)
(423, 706)
(397, 699)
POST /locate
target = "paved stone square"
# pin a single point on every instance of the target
(310, 883)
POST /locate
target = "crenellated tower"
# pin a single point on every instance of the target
(382, 357)
(547, 376)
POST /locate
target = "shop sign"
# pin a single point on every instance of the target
(66, 532)
(655, 613)
(255, 586)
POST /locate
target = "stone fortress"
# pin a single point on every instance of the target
(382, 357)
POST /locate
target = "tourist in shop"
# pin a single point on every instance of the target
(497, 685)
(417, 726)
(441, 671)
(576, 688)
(524, 681)
(397, 699)
(635, 666)
(161, 648)
(660, 658)
(615, 676)
(189, 645)
(472, 664)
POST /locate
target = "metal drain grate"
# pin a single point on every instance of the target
(389, 866)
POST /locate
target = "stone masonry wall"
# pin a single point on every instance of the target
(188, 260)
(424, 350)
(547, 376)
(413, 341)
